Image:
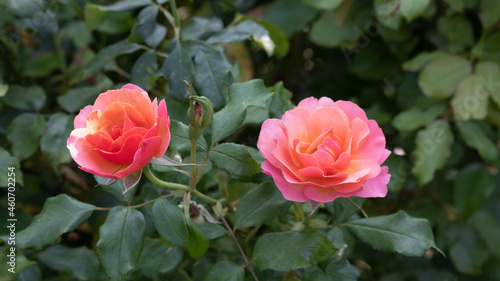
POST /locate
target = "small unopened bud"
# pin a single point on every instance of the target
(200, 112)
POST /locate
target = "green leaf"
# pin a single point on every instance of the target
(457, 5)
(248, 28)
(41, 65)
(59, 215)
(23, 8)
(471, 99)
(115, 189)
(289, 15)
(80, 262)
(473, 186)
(213, 76)
(179, 139)
(115, 23)
(165, 161)
(341, 209)
(225, 271)
(281, 100)
(488, 73)
(439, 78)
(474, 137)
(3, 89)
(397, 232)
(241, 97)
(170, 222)
(458, 32)
(158, 258)
(212, 230)
(55, 136)
(489, 229)
(120, 241)
(289, 250)
(107, 54)
(77, 98)
(323, 4)
(490, 12)
(433, 148)
(340, 270)
(25, 98)
(9, 161)
(411, 9)
(159, 33)
(198, 27)
(93, 16)
(79, 34)
(144, 68)
(491, 47)
(30, 273)
(415, 118)
(198, 243)
(124, 5)
(234, 159)
(345, 24)
(271, 204)
(468, 252)
(145, 25)
(422, 59)
(388, 13)
(23, 134)
(179, 67)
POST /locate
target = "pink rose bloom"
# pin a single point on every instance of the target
(120, 133)
(322, 150)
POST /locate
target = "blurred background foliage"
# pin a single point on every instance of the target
(427, 71)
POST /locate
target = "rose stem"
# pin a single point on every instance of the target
(134, 206)
(147, 172)
(357, 206)
(173, 20)
(247, 263)
(299, 212)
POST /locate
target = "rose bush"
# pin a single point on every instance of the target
(120, 133)
(322, 150)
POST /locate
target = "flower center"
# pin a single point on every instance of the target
(116, 131)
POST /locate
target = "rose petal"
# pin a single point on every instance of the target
(321, 194)
(376, 187)
(135, 87)
(360, 131)
(88, 158)
(142, 156)
(312, 172)
(270, 134)
(351, 110)
(81, 119)
(292, 192)
(312, 103)
(327, 118)
(125, 155)
(384, 156)
(163, 122)
(135, 98)
(374, 145)
(295, 123)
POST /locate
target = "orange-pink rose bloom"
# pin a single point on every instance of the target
(120, 133)
(322, 150)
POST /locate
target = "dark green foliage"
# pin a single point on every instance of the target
(427, 71)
